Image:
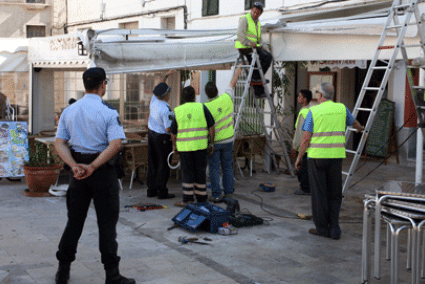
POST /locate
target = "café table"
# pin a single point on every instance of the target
(404, 200)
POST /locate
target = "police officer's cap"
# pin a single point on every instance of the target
(161, 90)
(94, 75)
(258, 5)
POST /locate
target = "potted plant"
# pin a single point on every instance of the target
(42, 170)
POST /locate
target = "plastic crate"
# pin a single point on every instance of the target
(202, 215)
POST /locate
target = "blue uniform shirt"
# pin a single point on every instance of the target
(160, 116)
(89, 125)
(308, 122)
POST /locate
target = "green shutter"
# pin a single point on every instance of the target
(210, 7)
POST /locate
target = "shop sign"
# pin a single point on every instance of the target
(362, 64)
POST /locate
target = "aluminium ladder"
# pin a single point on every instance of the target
(395, 23)
(265, 107)
(399, 20)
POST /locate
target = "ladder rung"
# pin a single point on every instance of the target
(364, 109)
(386, 47)
(401, 6)
(394, 26)
(418, 87)
(350, 151)
(246, 66)
(242, 82)
(421, 107)
(351, 129)
(345, 173)
(372, 88)
(412, 45)
(415, 67)
(379, 67)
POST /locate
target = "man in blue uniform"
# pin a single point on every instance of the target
(94, 132)
(159, 141)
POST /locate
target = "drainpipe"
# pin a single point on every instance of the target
(419, 140)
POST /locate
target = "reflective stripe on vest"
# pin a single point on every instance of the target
(328, 138)
(251, 33)
(221, 109)
(192, 133)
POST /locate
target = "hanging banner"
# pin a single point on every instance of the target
(362, 64)
(13, 148)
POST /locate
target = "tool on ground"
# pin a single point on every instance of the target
(146, 206)
(184, 240)
(267, 187)
(399, 20)
(265, 111)
(169, 161)
(232, 205)
(173, 227)
(304, 216)
(245, 220)
(227, 229)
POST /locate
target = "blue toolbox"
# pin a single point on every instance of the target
(202, 215)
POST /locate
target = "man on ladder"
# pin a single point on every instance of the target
(249, 37)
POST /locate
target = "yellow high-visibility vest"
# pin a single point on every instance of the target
(328, 137)
(252, 33)
(192, 132)
(221, 109)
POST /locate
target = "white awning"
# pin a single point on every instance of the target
(13, 55)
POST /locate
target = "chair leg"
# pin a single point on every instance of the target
(131, 179)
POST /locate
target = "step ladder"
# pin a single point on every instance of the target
(399, 20)
(264, 110)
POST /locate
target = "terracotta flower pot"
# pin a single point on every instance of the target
(39, 179)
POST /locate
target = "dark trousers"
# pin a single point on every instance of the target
(160, 147)
(194, 167)
(265, 60)
(326, 194)
(102, 187)
(302, 175)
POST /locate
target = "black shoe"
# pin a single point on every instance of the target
(168, 196)
(62, 275)
(113, 276)
(120, 280)
(151, 194)
(300, 192)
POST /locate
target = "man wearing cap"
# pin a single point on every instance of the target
(94, 132)
(159, 141)
(249, 37)
(324, 137)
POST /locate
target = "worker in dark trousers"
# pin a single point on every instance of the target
(159, 141)
(324, 137)
(249, 37)
(189, 133)
(304, 98)
(94, 132)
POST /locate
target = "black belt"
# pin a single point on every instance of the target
(84, 158)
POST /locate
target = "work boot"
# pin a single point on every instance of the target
(62, 275)
(113, 276)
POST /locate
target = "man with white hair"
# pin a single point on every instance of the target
(324, 137)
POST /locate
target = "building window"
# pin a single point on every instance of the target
(36, 31)
(209, 7)
(168, 23)
(36, 1)
(250, 3)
